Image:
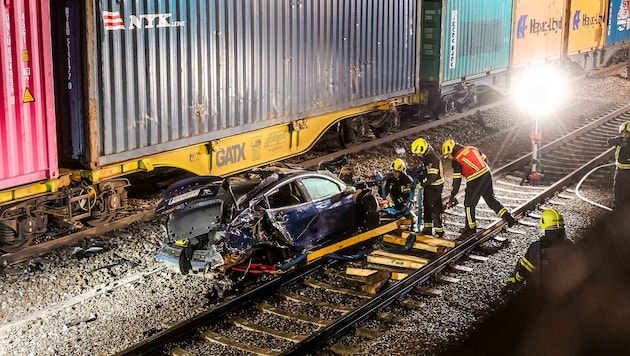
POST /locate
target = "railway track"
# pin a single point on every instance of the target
(332, 295)
(28, 252)
(126, 218)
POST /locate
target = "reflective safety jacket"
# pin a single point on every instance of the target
(533, 267)
(433, 165)
(399, 190)
(622, 153)
(470, 163)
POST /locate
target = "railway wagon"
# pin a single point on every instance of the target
(209, 87)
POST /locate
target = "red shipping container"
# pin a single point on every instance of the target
(28, 139)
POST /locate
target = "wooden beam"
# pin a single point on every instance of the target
(352, 241)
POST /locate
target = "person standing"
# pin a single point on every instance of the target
(540, 254)
(432, 184)
(398, 187)
(621, 182)
(470, 163)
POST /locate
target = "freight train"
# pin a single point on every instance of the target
(95, 91)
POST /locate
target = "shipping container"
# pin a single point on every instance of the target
(587, 24)
(538, 31)
(28, 145)
(618, 27)
(161, 75)
(464, 40)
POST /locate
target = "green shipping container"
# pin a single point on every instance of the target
(463, 40)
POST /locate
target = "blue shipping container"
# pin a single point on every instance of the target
(618, 30)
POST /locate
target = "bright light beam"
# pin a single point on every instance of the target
(538, 90)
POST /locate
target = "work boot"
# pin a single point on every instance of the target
(427, 231)
(510, 219)
(439, 235)
(467, 232)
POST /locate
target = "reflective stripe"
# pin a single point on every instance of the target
(619, 164)
(457, 175)
(471, 223)
(528, 265)
(438, 182)
(477, 174)
(502, 212)
(519, 277)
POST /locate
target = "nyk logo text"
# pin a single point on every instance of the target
(113, 21)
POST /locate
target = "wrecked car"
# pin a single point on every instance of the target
(264, 216)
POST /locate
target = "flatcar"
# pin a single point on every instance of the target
(95, 91)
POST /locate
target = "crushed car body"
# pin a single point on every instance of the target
(262, 216)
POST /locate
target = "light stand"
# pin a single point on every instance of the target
(535, 174)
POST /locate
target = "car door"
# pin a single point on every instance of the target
(292, 215)
(335, 205)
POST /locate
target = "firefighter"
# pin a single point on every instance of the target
(621, 182)
(541, 253)
(432, 185)
(471, 163)
(398, 187)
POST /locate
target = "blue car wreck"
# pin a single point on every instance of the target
(264, 216)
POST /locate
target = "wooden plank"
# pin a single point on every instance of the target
(216, 338)
(373, 288)
(251, 326)
(318, 284)
(394, 262)
(373, 278)
(397, 273)
(399, 256)
(302, 299)
(363, 272)
(417, 245)
(292, 316)
(431, 240)
(352, 241)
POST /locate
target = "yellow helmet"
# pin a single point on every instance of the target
(419, 146)
(399, 165)
(447, 147)
(625, 127)
(551, 219)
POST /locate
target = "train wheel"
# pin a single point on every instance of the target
(103, 211)
(14, 239)
(112, 198)
(347, 133)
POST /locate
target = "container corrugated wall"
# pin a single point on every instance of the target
(27, 126)
(168, 74)
(538, 31)
(618, 30)
(476, 38)
(587, 25)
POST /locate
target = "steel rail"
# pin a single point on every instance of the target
(339, 327)
(386, 297)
